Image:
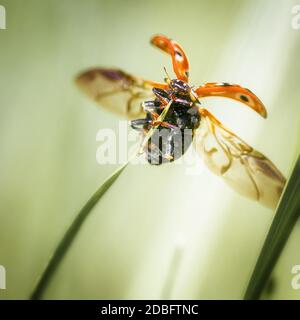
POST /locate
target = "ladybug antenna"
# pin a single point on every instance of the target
(167, 79)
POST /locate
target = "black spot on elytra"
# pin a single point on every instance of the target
(178, 53)
(244, 98)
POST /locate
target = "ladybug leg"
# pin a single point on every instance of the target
(162, 96)
(183, 102)
(139, 123)
(150, 106)
(164, 124)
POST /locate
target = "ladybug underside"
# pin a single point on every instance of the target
(174, 135)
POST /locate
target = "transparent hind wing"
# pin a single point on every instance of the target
(116, 91)
(243, 168)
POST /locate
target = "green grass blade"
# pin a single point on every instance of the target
(72, 231)
(285, 219)
(70, 235)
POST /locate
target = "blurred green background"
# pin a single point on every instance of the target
(158, 232)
